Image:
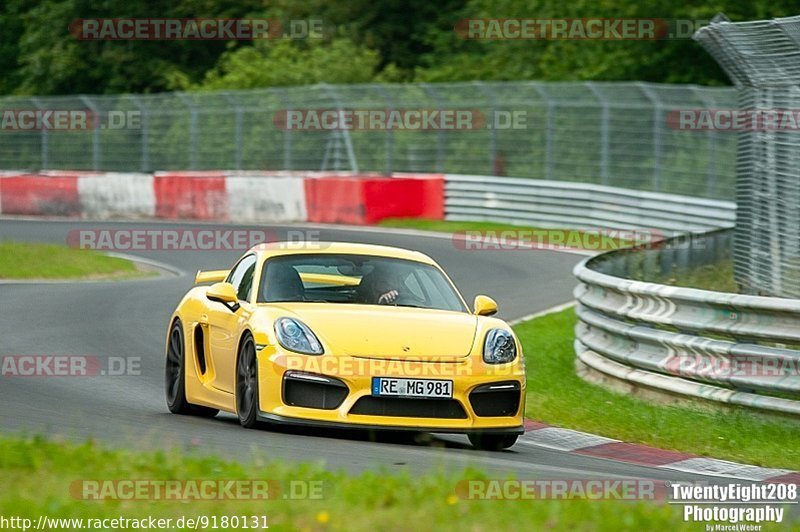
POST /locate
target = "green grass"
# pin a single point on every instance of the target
(20, 260)
(573, 238)
(556, 395)
(718, 277)
(38, 476)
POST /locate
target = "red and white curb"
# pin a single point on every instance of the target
(585, 444)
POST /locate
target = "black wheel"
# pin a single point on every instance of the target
(247, 384)
(175, 377)
(492, 442)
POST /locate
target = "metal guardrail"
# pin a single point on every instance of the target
(542, 203)
(731, 348)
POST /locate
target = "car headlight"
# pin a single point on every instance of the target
(499, 347)
(295, 335)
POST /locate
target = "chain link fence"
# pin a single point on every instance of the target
(762, 58)
(618, 134)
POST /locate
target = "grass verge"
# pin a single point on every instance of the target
(718, 277)
(46, 478)
(24, 260)
(556, 395)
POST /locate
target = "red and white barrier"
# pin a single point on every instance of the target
(38, 194)
(116, 195)
(192, 195)
(253, 197)
(265, 199)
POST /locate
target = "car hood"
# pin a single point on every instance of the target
(388, 332)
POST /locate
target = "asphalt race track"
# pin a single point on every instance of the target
(129, 319)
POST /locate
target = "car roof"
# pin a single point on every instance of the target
(274, 249)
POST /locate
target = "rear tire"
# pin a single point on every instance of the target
(247, 384)
(175, 377)
(492, 442)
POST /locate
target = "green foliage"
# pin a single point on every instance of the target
(364, 40)
(282, 62)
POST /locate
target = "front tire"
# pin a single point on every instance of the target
(175, 377)
(492, 442)
(247, 384)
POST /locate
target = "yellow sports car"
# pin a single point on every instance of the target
(345, 335)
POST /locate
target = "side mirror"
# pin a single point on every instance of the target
(223, 293)
(485, 306)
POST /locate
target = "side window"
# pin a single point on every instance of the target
(241, 277)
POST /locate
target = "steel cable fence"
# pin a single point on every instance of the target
(763, 59)
(616, 134)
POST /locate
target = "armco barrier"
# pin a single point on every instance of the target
(540, 203)
(723, 347)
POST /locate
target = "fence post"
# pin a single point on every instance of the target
(192, 129)
(288, 154)
(389, 131)
(711, 171)
(144, 164)
(44, 142)
(95, 133)
(604, 133)
(549, 132)
(237, 129)
(490, 122)
(439, 133)
(344, 134)
(658, 124)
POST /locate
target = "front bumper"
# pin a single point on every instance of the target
(459, 416)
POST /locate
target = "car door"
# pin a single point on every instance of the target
(224, 326)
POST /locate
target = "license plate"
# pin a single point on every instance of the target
(388, 387)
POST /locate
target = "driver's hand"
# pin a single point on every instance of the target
(388, 297)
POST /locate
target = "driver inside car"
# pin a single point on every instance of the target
(380, 287)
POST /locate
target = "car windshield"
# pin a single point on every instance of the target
(357, 279)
